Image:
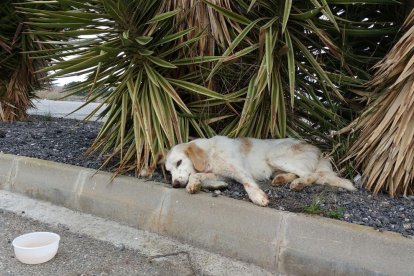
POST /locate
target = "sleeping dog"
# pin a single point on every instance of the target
(247, 160)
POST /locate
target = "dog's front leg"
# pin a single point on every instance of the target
(194, 183)
(256, 195)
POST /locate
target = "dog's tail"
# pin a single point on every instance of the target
(326, 176)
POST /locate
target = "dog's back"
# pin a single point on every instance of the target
(261, 158)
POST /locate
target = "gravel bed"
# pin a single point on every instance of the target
(65, 141)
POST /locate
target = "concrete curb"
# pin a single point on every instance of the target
(282, 242)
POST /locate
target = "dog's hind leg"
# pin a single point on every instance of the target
(326, 176)
(331, 179)
(321, 178)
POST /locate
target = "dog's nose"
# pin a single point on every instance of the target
(176, 184)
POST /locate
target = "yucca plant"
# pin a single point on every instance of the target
(384, 150)
(133, 49)
(279, 68)
(18, 79)
(304, 57)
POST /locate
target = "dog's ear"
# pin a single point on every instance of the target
(161, 157)
(198, 156)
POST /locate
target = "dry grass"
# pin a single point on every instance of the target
(58, 94)
(53, 93)
(384, 150)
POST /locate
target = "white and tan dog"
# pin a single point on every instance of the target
(248, 160)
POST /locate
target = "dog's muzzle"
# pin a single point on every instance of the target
(176, 184)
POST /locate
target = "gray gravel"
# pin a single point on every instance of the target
(60, 140)
(82, 255)
(65, 141)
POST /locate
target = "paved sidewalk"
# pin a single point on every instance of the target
(82, 255)
(95, 246)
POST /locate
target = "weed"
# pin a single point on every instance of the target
(336, 213)
(314, 207)
(47, 117)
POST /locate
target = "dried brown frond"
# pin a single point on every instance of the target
(384, 150)
(205, 19)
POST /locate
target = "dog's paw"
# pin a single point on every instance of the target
(193, 187)
(279, 180)
(346, 184)
(283, 178)
(258, 197)
(297, 185)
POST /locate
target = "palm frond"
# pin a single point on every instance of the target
(384, 150)
(18, 79)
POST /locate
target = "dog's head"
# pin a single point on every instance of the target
(184, 160)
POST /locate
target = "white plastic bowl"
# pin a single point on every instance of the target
(36, 247)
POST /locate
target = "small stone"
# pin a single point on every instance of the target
(358, 180)
(393, 221)
(385, 220)
(401, 209)
(378, 224)
(217, 192)
(62, 226)
(120, 247)
(407, 226)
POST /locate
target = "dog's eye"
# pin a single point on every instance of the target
(179, 163)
